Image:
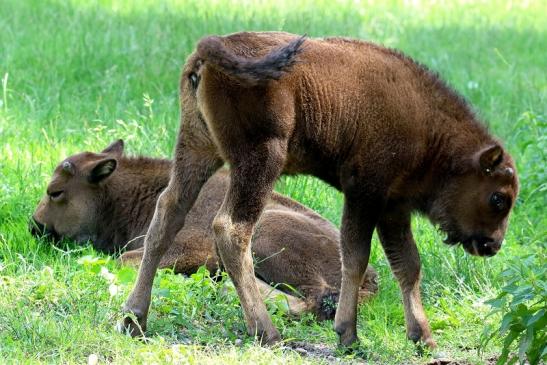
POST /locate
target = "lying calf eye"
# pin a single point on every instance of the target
(56, 194)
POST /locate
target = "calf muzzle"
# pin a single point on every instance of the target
(482, 246)
(40, 230)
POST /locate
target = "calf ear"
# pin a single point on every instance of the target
(490, 158)
(115, 148)
(102, 170)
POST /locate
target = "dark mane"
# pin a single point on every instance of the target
(454, 103)
(446, 98)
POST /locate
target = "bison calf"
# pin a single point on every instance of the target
(108, 198)
(368, 120)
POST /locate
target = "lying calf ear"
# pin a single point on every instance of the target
(115, 148)
(102, 170)
(490, 158)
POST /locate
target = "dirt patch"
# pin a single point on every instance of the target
(326, 354)
(320, 351)
(446, 361)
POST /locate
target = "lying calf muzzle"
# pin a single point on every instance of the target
(40, 230)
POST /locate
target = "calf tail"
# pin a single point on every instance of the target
(327, 304)
(249, 71)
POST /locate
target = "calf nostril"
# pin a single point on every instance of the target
(495, 245)
(490, 248)
(483, 241)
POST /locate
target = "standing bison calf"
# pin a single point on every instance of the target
(108, 199)
(368, 120)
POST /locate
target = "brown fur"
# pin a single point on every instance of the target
(292, 244)
(368, 120)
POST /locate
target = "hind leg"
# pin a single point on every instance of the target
(396, 237)
(191, 249)
(300, 248)
(252, 179)
(189, 173)
(369, 285)
(296, 306)
(292, 248)
(132, 258)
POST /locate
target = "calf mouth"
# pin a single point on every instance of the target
(40, 230)
(476, 245)
(481, 246)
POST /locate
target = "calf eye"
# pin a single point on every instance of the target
(498, 201)
(194, 79)
(55, 195)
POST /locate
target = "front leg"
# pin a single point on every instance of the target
(190, 171)
(396, 236)
(358, 222)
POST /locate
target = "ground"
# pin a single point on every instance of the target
(78, 74)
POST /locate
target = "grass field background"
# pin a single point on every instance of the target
(78, 74)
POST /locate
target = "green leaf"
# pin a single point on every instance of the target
(496, 302)
(536, 317)
(503, 357)
(126, 275)
(524, 344)
(506, 344)
(506, 322)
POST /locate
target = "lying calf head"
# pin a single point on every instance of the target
(75, 196)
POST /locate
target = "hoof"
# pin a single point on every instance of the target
(430, 342)
(269, 339)
(418, 339)
(348, 340)
(347, 335)
(132, 325)
(354, 349)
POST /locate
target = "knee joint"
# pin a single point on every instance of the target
(222, 225)
(166, 200)
(228, 233)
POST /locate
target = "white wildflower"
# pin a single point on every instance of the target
(113, 289)
(107, 275)
(472, 85)
(92, 359)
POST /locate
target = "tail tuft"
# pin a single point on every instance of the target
(327, 306)
(250, 71)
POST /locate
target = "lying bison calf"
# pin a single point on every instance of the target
(108, 199)
(369, 121)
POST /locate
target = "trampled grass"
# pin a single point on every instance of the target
(78, 74)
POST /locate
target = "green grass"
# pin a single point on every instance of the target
(78, 74)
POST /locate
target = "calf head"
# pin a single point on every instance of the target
(473, 205)
(75, 194)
